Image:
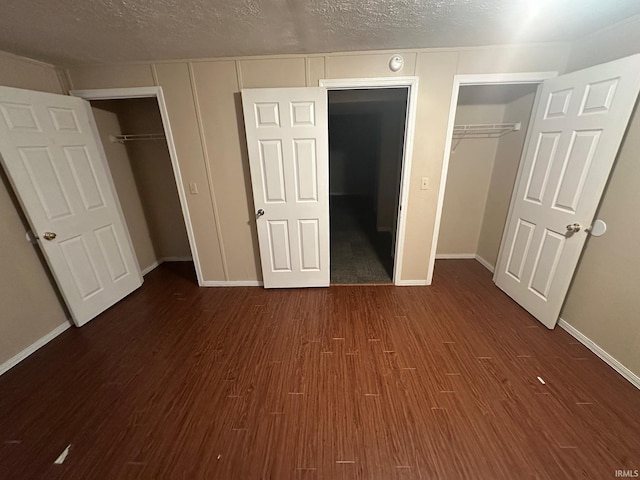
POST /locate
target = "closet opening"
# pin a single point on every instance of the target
(366, 149)
(489, 133)
(137, 152)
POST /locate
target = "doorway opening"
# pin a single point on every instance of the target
(366, 146)
(489, 120)
(138, 157)
(407, 88)
(134, 131)
(488, 138)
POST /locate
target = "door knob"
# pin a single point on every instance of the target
(573, 228)
(260, 212)
(49, 235)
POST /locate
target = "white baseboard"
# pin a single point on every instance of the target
(205, 283)
(600, 352)
(454, 256)
(411, 283)
(231, 283)
(484, 263)
(13, 361)
(160, 261)
(151, 267)
(176, 259)
(463, 256)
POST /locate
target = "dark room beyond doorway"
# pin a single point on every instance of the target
(366, 140)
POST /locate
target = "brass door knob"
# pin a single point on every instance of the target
(49, 235)
(573, 228)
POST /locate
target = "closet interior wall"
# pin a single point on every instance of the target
(144, 180)
(482, 171)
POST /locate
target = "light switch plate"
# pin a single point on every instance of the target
(193, 188)
(425, 183)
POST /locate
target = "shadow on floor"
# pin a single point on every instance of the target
(359, 253)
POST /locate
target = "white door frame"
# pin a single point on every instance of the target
(410, 121)
(154, 92)
(466, 80)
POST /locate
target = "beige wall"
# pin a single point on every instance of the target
(467, 186)
(503, 177)
(617, 41)
(204, 108)
(30, 306)
(104, 112)
(603, 301)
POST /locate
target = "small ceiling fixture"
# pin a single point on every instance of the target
(396, 63)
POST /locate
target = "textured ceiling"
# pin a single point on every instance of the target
(71, 31)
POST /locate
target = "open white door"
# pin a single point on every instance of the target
(577, 128)
(59, 173)
(287, 138)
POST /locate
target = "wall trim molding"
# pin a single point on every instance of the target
(231, 283)
(455, 256)
(150, 268)
(485, 263)
(464, 256)
(17, 358)
(411, 283)
(160, 261)
(175, 259)
(600, 352)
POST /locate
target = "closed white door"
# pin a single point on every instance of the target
(59, 173)
(287, 138)
(579, 123)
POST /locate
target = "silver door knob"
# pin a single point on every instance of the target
(573, 227)
(260, 212)
(49, 235)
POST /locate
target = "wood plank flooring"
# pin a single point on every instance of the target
(373, 382)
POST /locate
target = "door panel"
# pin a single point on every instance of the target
(578, 126)
(272, 166)
(61, 179)
(308, 234)
(287, 138)
(279, 245)
(306, 170)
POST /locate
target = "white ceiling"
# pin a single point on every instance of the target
(71, 31)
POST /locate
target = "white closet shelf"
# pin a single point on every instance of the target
(485, 130)
(137, 136)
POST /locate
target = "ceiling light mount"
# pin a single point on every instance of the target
(396, 63)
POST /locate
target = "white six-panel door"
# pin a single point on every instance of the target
(287, 139)
(577, 128)
(59, 174)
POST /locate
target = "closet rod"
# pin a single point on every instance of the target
(136, 136)
(485, 129)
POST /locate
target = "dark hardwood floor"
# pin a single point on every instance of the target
(373, 382)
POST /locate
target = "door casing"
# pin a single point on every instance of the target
(411, 83)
